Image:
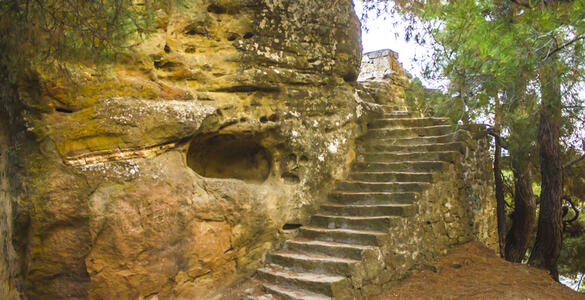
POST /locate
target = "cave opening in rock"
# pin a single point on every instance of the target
(229, 156)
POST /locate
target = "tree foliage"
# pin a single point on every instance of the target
(515, 64)
(44, 32)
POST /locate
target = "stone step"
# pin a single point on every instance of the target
(328, 285)
(312, 263)
(437, 130)
(348, 236)
(382, 223)
(372, 210)
(407, 122)
(363, 186)
(405, 166)
(391, 176)
(391, 108)
(448, 156)
(292, 294)
(352, 251)
(358, 198)
(408, 141)
(382, 147)
(396, 115)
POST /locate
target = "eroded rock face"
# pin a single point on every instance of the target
(171, 174)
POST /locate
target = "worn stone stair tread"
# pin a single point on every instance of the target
(383, 182)
(398, 140)
(293, 294)
(330, 248)
(358, 197)
(407, 153)
(300, 240)
(425, 147)
(372, 218)
(313, 257)
(342, 192)
(356, 231)
(413, 118)
(331, 204)
(391, 176)
(392, 128)
(301, 276)
(410, 156)
(413, 163)
(396, 172)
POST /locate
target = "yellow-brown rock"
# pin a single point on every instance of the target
(121, 189)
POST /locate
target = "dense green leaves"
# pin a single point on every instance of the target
(42, 32)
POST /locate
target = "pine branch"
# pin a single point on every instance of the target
(565, 45)
(574, 161)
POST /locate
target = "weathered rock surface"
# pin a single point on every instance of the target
(172, 173)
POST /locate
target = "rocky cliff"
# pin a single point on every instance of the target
(172, 173)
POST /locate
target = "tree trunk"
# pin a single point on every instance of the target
(498, 180)
(547, 247)
(500, 201)
(518, 238)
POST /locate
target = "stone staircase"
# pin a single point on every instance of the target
(340, 249)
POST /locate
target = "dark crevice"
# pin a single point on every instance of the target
(248, 35)
(63, 110)
(291, 226)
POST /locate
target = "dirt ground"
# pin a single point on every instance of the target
(472, 271)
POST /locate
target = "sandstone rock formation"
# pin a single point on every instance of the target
(172, 173)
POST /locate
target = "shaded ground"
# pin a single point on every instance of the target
(473, 271)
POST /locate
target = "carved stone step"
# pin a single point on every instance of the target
(357, 198)
(382, 223)
(349, 236)
(352, 251)
(396, 115)
(372, 210)
(312, 263)
(406, 166)
(409, 132)
(448, 156)
(391, 176)
(328, 285)
(292, 294)
(407, 141)
(362, 186)
(384, 147)
(407, 122)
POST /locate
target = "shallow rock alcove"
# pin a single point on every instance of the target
(229, 156)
